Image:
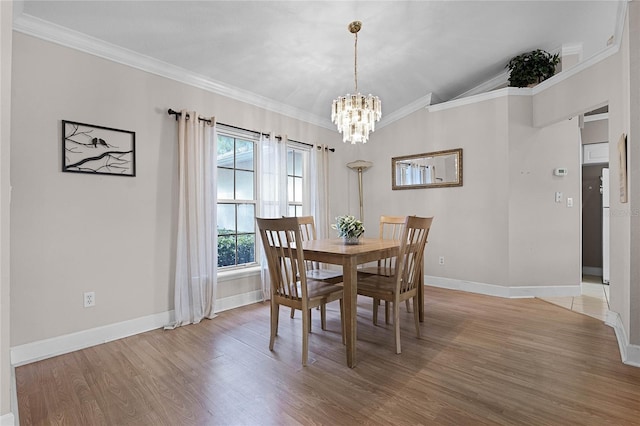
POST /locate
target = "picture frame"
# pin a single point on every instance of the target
(92, 149)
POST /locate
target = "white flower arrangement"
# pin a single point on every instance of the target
(348, 227)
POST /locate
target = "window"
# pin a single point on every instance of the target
(237, 203)
(236, 200)
(295, 180)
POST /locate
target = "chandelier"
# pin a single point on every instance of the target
(356, 115)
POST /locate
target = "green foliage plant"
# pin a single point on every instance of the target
(348, 227)
(532, 68)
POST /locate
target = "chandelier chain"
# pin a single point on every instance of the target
(355, 62)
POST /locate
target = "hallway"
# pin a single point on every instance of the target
(593, 302)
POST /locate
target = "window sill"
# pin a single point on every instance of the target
(235, 274)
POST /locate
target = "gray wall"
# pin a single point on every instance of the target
(5, 195)
(73, 233)
(502, 228)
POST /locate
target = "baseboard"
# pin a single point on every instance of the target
(14, 396)
(502, 291)
(36, 351)
(236, 301)
(7, 420)
(630, 354)
(42, 349)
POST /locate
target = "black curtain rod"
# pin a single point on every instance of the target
(178, 113)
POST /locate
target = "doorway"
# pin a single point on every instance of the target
(595, 163)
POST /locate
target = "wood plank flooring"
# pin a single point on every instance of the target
(481, 360)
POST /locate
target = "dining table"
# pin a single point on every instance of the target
(335, 251)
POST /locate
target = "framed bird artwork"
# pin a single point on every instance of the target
(87, 148)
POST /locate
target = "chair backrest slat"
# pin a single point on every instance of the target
(307, 233)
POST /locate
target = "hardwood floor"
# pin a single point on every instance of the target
(481, 360)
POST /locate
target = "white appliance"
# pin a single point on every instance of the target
(605, 225)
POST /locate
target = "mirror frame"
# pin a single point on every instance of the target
(394, 160)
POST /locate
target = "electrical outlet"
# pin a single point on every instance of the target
(89, 299)
(441, 260)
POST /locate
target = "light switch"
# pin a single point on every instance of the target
(558, 197)
(569, 202)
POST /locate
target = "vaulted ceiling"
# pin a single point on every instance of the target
(297, 56)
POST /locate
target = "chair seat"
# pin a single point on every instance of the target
(376, 286)
(322, 289)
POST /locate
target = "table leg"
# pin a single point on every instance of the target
(350, 277)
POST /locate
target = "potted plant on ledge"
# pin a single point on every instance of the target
(532, 68)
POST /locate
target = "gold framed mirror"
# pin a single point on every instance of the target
(428, 170)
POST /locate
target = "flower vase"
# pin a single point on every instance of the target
(351, 241)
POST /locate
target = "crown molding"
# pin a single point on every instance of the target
(48, 31)
(406, 110)
(498, 81)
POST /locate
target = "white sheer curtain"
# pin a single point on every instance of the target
(273, 191)
(319, 189)
(196, 254)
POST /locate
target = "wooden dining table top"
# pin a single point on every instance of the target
(334, 248)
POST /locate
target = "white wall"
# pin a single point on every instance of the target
(5, 195)
(501, 232)
(633, 76)
(595, 132)
(114, 235)
(544, 236)
(606, 82)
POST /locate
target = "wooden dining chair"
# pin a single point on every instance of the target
(289, 283)
(403, 284)
(314, 270)
(391, 228)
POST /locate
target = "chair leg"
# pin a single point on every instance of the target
(306, 323)
(386, 312)
(416, 316)
(408, 302)
(293, 312)
(323, 316)
(396, 324)
(275, 312)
